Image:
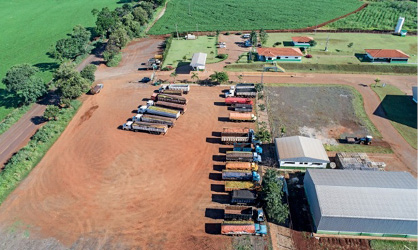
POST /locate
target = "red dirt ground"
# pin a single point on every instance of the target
(133, 189)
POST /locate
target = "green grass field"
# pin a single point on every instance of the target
(192, 15)
(392, 245)
(338, 50)
(380, 16)
(29, 28)
(400, 110)
(181, 48)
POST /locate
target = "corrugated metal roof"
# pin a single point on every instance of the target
(300, 149)
(198, 59)
(365, 194)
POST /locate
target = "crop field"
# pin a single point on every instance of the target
(329, 112)
(380, 16)
(192, 15)
(29, 28)
(181, 51)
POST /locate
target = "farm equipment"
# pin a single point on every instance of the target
(242, 228)
(145, 126)
(242, 117)
(245, 197)
(154, 119)
(240, 175)
(242, 156)
(96, 89)
(367, 140)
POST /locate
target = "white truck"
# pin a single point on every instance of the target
(183, 87)
(145, 109)
(145, 126)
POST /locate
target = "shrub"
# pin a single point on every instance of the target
(51, 112)
(262, 107)
(277, 44)
(308, 56)
(272, 195)
(88, 72)
(222, 56)
(167, 68)
(114, 61)
(226, 34)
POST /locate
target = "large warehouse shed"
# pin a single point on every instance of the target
(298, 152)
(369, 203)
(198, 61)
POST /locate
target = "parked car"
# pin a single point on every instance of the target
(146, 79)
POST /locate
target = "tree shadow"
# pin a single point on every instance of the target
(398, 108)
(37, 120)
(214, 213)
(43, 67)
(9, 99)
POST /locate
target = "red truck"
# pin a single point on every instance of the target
(237, 100)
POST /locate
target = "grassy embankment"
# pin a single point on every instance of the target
(400, 110)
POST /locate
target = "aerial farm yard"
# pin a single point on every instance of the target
(238, 15)
(104, 185)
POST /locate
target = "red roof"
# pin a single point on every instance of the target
(302, 39)
(386, 53)
(279, 52)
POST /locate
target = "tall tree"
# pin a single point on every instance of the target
(263, 36)
(140, 15)
(219, 77)
(106, 22)
(253, 38)
(88, 72)
(272, 196)
(69, 81)
(73, 46)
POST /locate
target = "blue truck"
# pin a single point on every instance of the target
(247, 147)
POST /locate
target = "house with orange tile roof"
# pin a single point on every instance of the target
(302, 41)
(279, 54)
(386, 55)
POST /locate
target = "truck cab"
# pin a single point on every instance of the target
(127, 125)
(256, 176)
(253, 117)
(137, 118)
(142, 109)
(162, 88)
(259, 215)
(260, 229)
(230, 92)
(256, 157)
(150, 103)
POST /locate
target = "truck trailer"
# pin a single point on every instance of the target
(243, 197)
(145, 126)
(238, 100)
(171, 92)
(243, 107)
(159, 111)
(182, 108)
(241, 92)
(171, 98)
(238, 213)
(154, 119)
(240, 175)
(232, 135)
(236, 165)
(242, 228)
(242, 117)
(247, 147)
(242, 156)
(183, 87)
(241, 185)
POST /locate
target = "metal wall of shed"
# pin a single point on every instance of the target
(312, 198)
(362, 225)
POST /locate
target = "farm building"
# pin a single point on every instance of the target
(357, 161)
(414, 94)
(298, 152)
(279, 54)
(302, 41)
(367, 203)
(387, 55)
(198, 61)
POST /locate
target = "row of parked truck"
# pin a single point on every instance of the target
(161, 111)
(241, 174)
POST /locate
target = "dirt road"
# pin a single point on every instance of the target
(100, 184)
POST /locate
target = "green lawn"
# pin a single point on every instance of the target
(358, 148)
(182, 47)
(192, 15)
(30, 27)
(400, 110)
(338, 50)
(392, 245)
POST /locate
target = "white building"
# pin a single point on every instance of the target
(298, 152)
(198, 61)
(190, 37)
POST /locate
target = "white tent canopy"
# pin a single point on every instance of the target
(198, 61)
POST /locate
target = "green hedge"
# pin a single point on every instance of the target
(13, 117)
(20, 165)
(167, 48)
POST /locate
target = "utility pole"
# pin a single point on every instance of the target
(177, 32)
(326, 46)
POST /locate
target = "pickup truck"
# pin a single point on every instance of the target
(96, 89)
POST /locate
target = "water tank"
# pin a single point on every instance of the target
(398, 28)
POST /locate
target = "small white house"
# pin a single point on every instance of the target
(298, 152)
(190, 37)
(198, 61)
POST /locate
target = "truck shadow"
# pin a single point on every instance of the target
(224, 150)
(221, 198)
(215, 176)
(213, 228)
(223, 119)
(219, 158)
(213, 140)
(219, 104)
(214, 213)
(216, 134)
(218, 167)
(135, 111)
(217, 188)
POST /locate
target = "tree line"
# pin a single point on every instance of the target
(117, 26)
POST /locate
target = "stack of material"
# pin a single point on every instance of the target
(357, 161)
